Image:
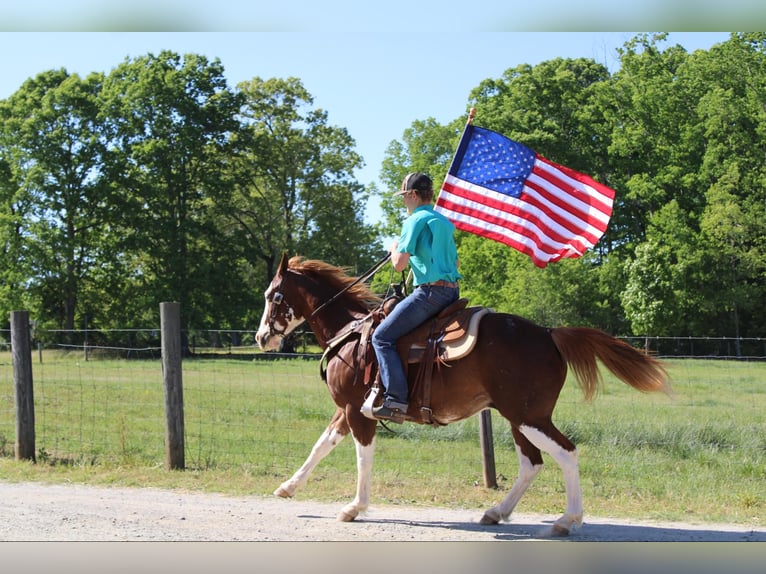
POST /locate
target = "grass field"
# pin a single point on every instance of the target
(698, 456)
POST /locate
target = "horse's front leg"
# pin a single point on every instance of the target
(363, 431)
(335, 432)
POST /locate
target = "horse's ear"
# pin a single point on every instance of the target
(283, 263)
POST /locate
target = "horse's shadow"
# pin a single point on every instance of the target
(588, 532)
(615, 532)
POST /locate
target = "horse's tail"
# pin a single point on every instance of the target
(581, 346)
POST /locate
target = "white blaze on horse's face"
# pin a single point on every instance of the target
(279, 320)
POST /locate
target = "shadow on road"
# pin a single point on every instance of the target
(591, 532)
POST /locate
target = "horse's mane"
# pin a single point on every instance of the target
(337, 277)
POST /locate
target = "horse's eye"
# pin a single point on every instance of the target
(277, 298)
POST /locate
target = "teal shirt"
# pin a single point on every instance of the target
(428, 237)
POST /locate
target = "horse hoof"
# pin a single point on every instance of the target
(344, 516)
(282, 492)
(487, 520)
(560, 531)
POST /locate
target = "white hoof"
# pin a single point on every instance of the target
(348, 514)
(283, 492)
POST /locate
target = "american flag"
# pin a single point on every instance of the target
(501, 189)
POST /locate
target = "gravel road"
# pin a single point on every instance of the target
(42, 512)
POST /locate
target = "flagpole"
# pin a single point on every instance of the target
(469, 122)
(485, 416)
(471, 115)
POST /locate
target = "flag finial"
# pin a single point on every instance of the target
(471, 115)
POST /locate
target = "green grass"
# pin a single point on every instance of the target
(700, 455)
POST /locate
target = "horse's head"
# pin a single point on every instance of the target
(315, 291)
(280, 317)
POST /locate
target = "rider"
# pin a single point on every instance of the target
(427, 244)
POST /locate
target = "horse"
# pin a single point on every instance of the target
(516, 367)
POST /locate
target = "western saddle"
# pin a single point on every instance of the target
(446, 337)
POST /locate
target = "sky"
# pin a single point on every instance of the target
(374, 84)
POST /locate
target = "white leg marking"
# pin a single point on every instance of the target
(567, 460)
(527, 473)
(323, 446)
(364, 459)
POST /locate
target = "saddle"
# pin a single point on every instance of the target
(447, 337)
(450, 335)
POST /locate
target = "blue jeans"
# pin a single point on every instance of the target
(414, 310)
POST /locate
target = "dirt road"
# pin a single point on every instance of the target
(40, 512)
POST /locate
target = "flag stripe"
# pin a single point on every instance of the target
(503, 210)
(585, 201)
(500, 189)
(550, 207)
(544, 241)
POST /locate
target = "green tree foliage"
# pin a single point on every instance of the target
(295, 191)
(55, 194)
(680, 137)
(547, 107)
(169, 121)
(656, 297)
(14, 211)
(158, 182)
(706, 119)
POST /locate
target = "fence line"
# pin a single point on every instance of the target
(113, 410)
(140, 342)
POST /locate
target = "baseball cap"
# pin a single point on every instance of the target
(415, 180)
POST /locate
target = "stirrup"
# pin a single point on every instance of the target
(366, 409)
(389, 414)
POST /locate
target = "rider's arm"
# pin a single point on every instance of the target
(398, 260)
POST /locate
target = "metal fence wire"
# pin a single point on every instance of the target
(263, 411)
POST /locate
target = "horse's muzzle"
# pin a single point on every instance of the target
(266, 341)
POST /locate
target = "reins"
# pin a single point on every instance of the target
(374, 269)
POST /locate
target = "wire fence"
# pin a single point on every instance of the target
(262, 412)
(145, 343)
(702, 347)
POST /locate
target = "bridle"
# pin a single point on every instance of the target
(276, 300)
(277, 297)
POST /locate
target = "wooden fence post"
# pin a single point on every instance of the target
(21, 353)
(170, 327)
(487, 449)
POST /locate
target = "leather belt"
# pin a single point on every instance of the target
(440, 283)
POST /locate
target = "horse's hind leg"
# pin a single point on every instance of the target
(549, 439)
(330, 438)
(530, 463)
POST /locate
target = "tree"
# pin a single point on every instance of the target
(171, 121)
(655, 140)
(14, 209)
(663, 295)
(733, 177)
(294, 188)
(57, 152)
(733, 237)
(547, 107)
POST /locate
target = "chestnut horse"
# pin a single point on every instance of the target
(517, 367)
